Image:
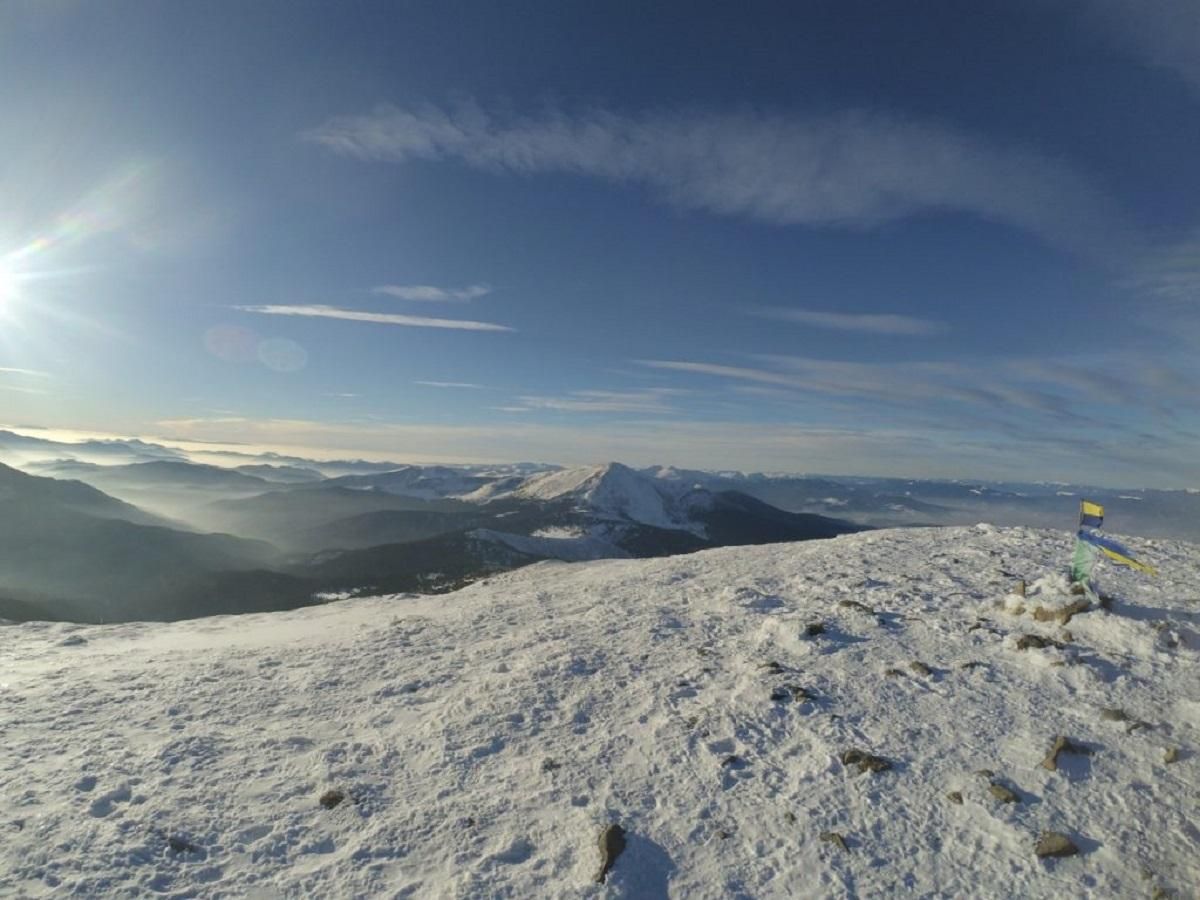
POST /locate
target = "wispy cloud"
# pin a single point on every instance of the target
(654, 400)
(335, 312)
(856, 169)
(451, 384)
(865, 323)
(32, 373)
(1164, 33)
(428, 293)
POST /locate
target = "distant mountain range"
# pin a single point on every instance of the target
(108, 530)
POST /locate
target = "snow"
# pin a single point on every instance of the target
(484, 738)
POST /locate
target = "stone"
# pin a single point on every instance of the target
(612, 843)
(866, 762)
(893, 673)
(832, 837)
(1062, 745)
(549, 765)
(920, 668)
(985, 773)
(955, 797)
(812, 629)
(787, 693)
(1112, 714)
(1172, 755)
(855, 605)
(181, 845)
(1055, 843)
(1003, 794)
(331, 798)
(972, 664)
(1027, 641)
(772, 668)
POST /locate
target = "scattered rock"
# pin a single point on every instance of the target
(787, 693)
(723, 835)
(1003, 794)
(1055, 843)
(73, 640)
(985, 773)
(1067, 637)
(1019, 588)
(1078, 588)
(773, 668)
(812, 629)
(733, 761)
(1062, 614)
(612, 842)
(181, 845)
(866, 762)
(1026, 641)
(893, 673)
(832, 837)
(1062, 745)
(549, 765)
(332, 798)
(1112, 714)
(789, 817)
(955, 797)
(972, 664)
(920, 668)
(855, 605)
(1172, 755)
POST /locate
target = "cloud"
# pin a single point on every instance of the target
(853, 170)
(1164, 33)
(32, 373)
(641, 402)
(451, 384)
(334, 312)
(865, 323)
(427, 293)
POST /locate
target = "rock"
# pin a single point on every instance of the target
(1003, 794)
(772, 668)
(1112, 714)
(832, 837)
(74, 640)
(1026, 641)
(972, 664)
(549, 765)
(1055, 843)
(855, 605)
(1078, 588)
(181, 845)
(733, 761)
(812, 629)
(1172, 755)
(790, 817)
(955, 797)
(612, 843)
(985, 773)
(786, 693)
(331, 798)
(1062, 745)
(893, 673)
(866, 762)
(1062, 614)
(1019, 588)
(920, 668)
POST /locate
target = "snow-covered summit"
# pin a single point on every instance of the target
(474, 744)
(616, 492)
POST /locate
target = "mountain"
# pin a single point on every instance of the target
(69, 551)
(281, 474)
(475, 744)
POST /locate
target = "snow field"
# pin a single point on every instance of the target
(484, 738)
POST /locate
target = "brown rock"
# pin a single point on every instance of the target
(832, 837)
(331, 798)
(612, 843)
(955, 797)
(1112, 714)
(1172, 755)
(866, 762)
(920, 668)
(1003, 794)
(1054, 843)
(1062, 745)
(855, 605)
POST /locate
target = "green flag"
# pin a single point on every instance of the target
(1085, 559)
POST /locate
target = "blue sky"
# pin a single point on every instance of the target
(936, 239)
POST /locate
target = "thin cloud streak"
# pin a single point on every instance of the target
(1163, 33)
(864, 323)
(428, 293)
(652, 401)
(32, 373)
(853, 170)
(334, 312)
(452, 384)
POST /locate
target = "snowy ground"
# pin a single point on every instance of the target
(483, 738)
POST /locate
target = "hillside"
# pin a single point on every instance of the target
(482, 739)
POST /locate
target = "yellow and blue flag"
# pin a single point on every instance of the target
(1115, 551)
(1091, 515)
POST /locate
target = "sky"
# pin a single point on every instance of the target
(942, 239)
